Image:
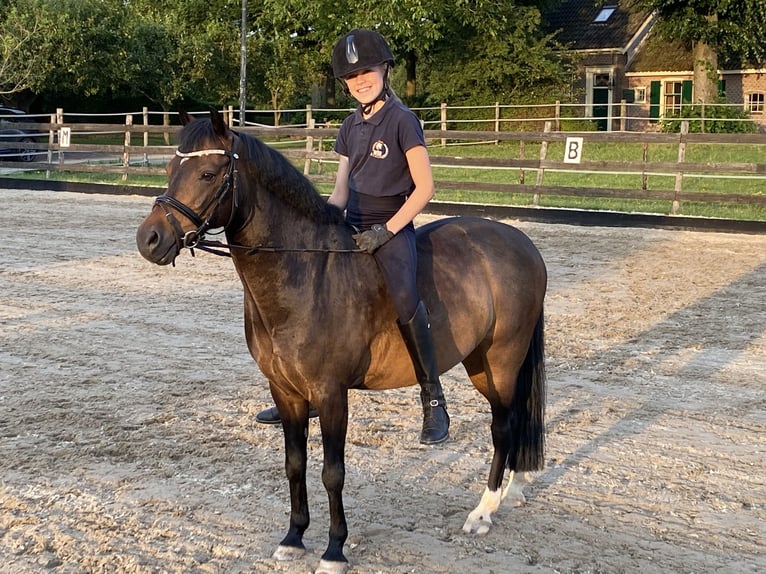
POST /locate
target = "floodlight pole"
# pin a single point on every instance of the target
(243, 65)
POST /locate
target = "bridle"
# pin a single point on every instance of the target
(196, 237)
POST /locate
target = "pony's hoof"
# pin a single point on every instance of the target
(477, 525)
(330, 567)
(517, 499)
(286, 553)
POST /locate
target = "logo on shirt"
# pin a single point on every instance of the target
(379, 150)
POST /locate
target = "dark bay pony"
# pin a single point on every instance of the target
(318, 320)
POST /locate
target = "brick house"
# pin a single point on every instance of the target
(627, 75)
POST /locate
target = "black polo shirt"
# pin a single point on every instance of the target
(376, 149)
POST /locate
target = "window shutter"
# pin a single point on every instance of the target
(686, 92)
(654, 100)
(722, 89)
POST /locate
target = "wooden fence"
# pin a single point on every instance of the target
(311, 147)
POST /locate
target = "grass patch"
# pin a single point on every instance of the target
(695, 153)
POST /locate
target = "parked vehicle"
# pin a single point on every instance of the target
(14, 135)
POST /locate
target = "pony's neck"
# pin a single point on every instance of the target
(279, 204)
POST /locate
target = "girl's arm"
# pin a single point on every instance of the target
(420, 169)
(339, 195)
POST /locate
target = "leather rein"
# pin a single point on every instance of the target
(195, 239)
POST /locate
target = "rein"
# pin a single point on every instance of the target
(215, 247)
(196, 237)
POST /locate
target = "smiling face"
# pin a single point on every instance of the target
(366, 85)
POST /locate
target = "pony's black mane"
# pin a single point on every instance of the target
(272, 171)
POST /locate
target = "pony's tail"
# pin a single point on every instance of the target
(528, 409)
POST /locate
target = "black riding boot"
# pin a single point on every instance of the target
(420, 344)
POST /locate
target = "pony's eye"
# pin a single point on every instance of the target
(207, 176)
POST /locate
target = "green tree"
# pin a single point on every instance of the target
(183, 51)
(62, 46)
(462, 39)
(18, 63)
(282, 54)
(498, 54)
(713, 29)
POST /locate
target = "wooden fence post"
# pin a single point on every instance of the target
(540, 170)
(146, 135)
(680, 174)
(645, 159)
(59, 121)
(623, 115)
(51, 141)
(126, 150)
(166, 123)
(522, 173)
(557, 115)
(309, 141)
(443, 117)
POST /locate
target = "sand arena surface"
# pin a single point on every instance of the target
(127, 397)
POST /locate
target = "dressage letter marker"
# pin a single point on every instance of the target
(65, 136)
(573, 150)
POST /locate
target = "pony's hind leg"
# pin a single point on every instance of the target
(503, 394)
(479, 521)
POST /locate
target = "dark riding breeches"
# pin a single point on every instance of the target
(398, 260)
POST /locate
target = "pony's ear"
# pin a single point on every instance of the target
(219, 126)
(185, 117)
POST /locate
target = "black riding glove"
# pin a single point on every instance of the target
(370, 240)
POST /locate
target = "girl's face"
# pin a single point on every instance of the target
(366, 85)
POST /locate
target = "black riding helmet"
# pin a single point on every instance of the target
(360, 50)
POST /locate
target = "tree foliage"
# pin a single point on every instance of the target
(188, 51)
(494, 54)
(731, 30)
(183, 51)
(735, 28)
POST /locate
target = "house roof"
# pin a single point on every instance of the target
(577, 28)
(657, 55)
(660, 55)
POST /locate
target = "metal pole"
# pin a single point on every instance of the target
(243, 65)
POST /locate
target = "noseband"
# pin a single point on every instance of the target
(192, 239)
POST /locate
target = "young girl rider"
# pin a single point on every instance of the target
(384, 180)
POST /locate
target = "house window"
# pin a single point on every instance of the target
(602, 80)
(640, 94)
(604, 14)
(755, 103)
(673, 97)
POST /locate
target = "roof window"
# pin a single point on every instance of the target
(604, 14)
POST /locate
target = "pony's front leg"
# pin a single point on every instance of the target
(295, 429)
(333, 417)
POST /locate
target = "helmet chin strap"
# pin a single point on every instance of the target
(382, 97)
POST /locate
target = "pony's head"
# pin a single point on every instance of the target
(201, 192)
(215, 181)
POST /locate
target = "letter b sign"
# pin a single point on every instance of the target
(573, 150)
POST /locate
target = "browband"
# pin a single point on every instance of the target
(187, 155)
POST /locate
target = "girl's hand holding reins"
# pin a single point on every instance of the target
(372, 239)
